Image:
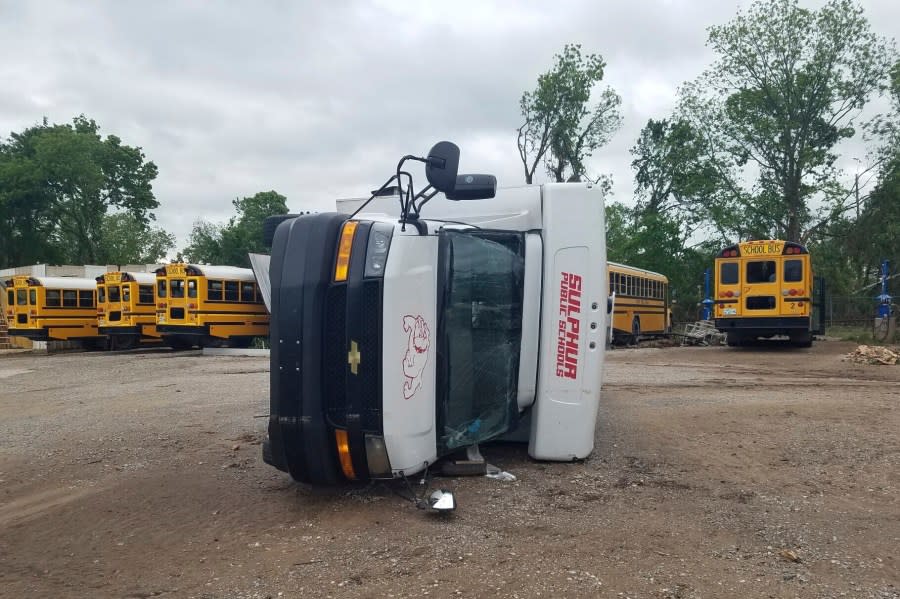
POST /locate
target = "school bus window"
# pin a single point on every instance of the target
(176, 288)
(728, 273)
(621, 284)
(612, 279)
(114, 293)
(247, 292)
(70, 298)
(192, 287)
(86, 298)
(259, 297)
(214, 290)
(126, 293)
(161, 288)
(760, 271)
(21, 297)
(145, 294)
(231, 291)
(10, 297)
(793, 271)
(53, 298)
(101, 294)
(32, 297)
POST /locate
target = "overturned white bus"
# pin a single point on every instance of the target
(398, 339)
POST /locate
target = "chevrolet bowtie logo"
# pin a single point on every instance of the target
(353, 357)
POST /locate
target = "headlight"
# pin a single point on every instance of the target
(377, 457)
(377, 249)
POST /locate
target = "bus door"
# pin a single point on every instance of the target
(761, 288)
(795, 288)
(176, 312)
(728, 288)
(114, 299)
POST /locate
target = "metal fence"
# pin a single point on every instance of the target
(849, 310)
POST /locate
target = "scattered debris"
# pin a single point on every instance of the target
(873, 354)
(702, 332)
(790, 556)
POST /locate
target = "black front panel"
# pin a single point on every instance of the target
(370, 388)
(335, 355)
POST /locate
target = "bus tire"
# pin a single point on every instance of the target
(270, 224)
(635, 329)
(803, 339)
(177, 343)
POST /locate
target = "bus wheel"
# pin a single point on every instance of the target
(734, 339)
(803, 339)
(635, 329)
(178, 344)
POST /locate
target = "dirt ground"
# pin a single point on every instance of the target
(717, 472)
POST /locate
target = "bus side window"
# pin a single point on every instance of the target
(192, 287)
(161, 287)
(247, 292)
(32, 297)
(101, 294)
(259, 295)
(70, 298)
(53, 298)
(231, 291)
(145, 294)
(214, 290)
(86, 298)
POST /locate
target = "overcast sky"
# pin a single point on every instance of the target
(319, 100)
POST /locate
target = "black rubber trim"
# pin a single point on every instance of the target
(120, 330)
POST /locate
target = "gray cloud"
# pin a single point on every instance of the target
(319, 101)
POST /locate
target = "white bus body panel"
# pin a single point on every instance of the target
(409, 325)
(574, 298)
(531, 321)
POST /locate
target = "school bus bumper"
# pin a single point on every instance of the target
(764, 323)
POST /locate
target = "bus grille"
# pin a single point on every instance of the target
(336, 371)
(370, 370)
(335, 359)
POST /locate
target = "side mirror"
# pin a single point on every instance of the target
(473, 187)
(442, 165)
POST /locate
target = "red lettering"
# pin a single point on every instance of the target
(569, 326)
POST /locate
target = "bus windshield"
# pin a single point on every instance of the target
(479, 335)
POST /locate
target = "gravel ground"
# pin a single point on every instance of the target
(717, 472)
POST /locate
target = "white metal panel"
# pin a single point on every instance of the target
(531, 320)
(225, 272)
(260, 264)
(144, 278)
(409, 328)
(66, 282)
(573, 323)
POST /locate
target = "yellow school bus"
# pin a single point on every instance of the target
(640, 302)
(53, 309)
(126, 308)
(209, 306)
(763, 289)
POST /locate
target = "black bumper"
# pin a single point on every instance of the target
(300, 440)
(115, 331)
(33, 334)
(767, 325)
(176, 329)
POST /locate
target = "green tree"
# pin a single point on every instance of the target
(561, 128)
(56, 184)
(231, 243)
(126, 239)
(788, 85)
